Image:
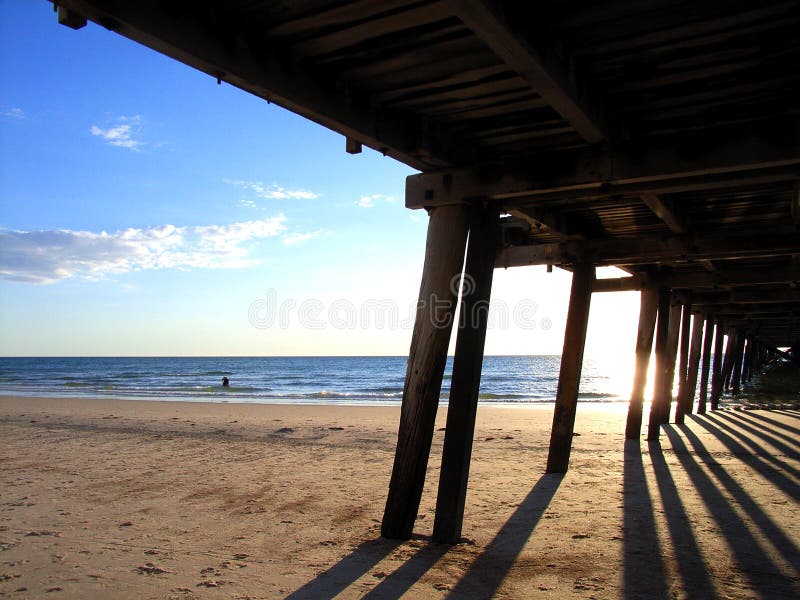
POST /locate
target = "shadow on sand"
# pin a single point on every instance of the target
(486, 574)
(691, 567)
(482, 579)
(764, 577)
(756, 546)
(644, 571)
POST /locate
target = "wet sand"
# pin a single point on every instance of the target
(128, 499)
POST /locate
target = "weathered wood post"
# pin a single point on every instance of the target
(644, 345)
(736, 375)
(465, 383)
(717, 379)
(730, 358)
(686, 400)
(662, 332)
(708, 339)
(747, 362)
(570, 375)
(683, 363)
(672, 354)
(444, 259)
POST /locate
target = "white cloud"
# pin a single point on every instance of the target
(298, 238)
(15, 113)
(369, 201)
(124, 134)
(270, 192)
(50, 256)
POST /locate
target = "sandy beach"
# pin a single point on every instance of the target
(134, 499)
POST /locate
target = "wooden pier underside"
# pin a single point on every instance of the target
(662, 137)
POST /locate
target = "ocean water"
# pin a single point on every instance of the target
(305, 380)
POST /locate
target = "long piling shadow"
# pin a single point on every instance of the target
(775, 534)
(347, 571)
(486, 574)
(761, 572)
(691, 566)
(789, 413)
(409, 573)
(777, 438)
(644, 574)
(753, 458)
(773, 423)
(755, 444)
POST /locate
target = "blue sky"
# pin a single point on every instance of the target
(146, 210)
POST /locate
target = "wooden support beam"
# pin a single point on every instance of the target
(750, 297)
(465, 382)
(717, 376)
(726, 279)
(337, 16)
(686, 401)
(644, 343)
(549, 222)
(683, 363)
(444, 258)
(358, 30)
(672, 355)
(570, 374)
(659, 385)
(353, 146)
(624, 284)
(244, 58)
(733, 154)
(645, 250)
(706, 369)
(664, 212)
(675, 221)
(70, 18)
(767, 310)
(553, 81)
(713, 183)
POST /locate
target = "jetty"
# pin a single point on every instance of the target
(660, 137)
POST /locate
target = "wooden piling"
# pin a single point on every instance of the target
(736, 375)
(465, 383)
(730, 358)
(444, 259)
(748, 360)
(686, 399)
(717, 377)
(644, 343)
(683, 362)
(672, 354)
(708, 338)
(662, 332)
(571, 361)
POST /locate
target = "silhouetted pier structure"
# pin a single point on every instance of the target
(661, 137)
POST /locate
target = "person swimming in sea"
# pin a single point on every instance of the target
(225, 382)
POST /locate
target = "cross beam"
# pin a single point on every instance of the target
(728, 278)
(244, 59)
(769, 152)
(652, 249)
(548, 77)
